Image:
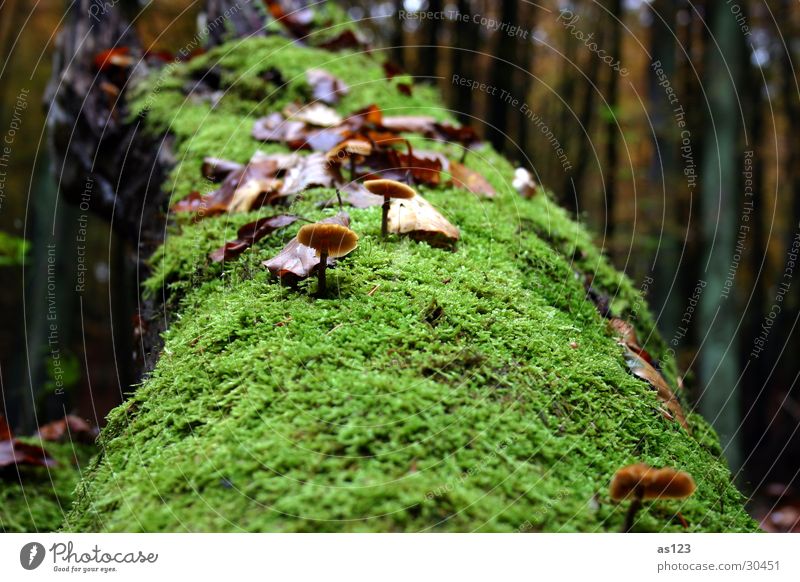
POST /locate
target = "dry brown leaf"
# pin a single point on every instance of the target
(69, 428)
(463, 177)
(215, 169)
(249, 234)
(626, 332)
(640, 368)
(325, 87)
(418, 218)
(251, 191)
(347, 39)
(313, 170)
(316, 114)
(409, 123)
(357, 196)
(14, 453)
(274, 127)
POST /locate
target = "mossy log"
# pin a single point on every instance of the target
(477, 389)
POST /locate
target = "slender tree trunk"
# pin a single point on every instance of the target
(573, 184)
(429, 54)
(465, 42)
(503, 78)
(720, 210)
(664, 176)
(612, 128)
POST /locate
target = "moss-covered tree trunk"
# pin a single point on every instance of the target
(472, 390)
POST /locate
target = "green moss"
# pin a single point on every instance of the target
(40, 499)
(475, 390)
(13, 250)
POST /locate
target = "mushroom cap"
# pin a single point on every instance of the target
(390, 188)
(627, 479)
(666, 483)
(669, 483)
(350, 147)
(334, 240)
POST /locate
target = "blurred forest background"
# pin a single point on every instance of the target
(676, 122)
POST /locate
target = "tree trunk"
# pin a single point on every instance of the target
(721, 208)
(477, 389)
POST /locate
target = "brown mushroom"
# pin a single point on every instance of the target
(328, 240)
(352, 149)
(389, 189)
(641, 482)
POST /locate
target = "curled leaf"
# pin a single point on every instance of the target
(418, 218)
(249, 234)
(640, 368)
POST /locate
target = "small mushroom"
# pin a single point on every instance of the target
(352, 149)
(328, 240)
(389, 189)
(640, 482)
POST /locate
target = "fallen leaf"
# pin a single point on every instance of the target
(296, 261)
(418, 218)
(210, 204)
(16, 453)
(391, 69)
(347, 39)
(463, 177)
(405, 89)
(253, 191)
(640, 368)
(249, 187)
(369, 115)
(463, 134)
(325, 87)
(317, 114)
(249, 234)
(356, 195)
(297, 21)
(274, 127)
(425, 167)
(410, 123)
(626, 332)
(321, 140)
(312, 170)
(70, 428)
(215, 169)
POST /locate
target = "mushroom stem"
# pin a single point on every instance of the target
(464, 155)
(323, 266)
(635, 506)
(385, 218)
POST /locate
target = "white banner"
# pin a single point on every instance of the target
(399, 557)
